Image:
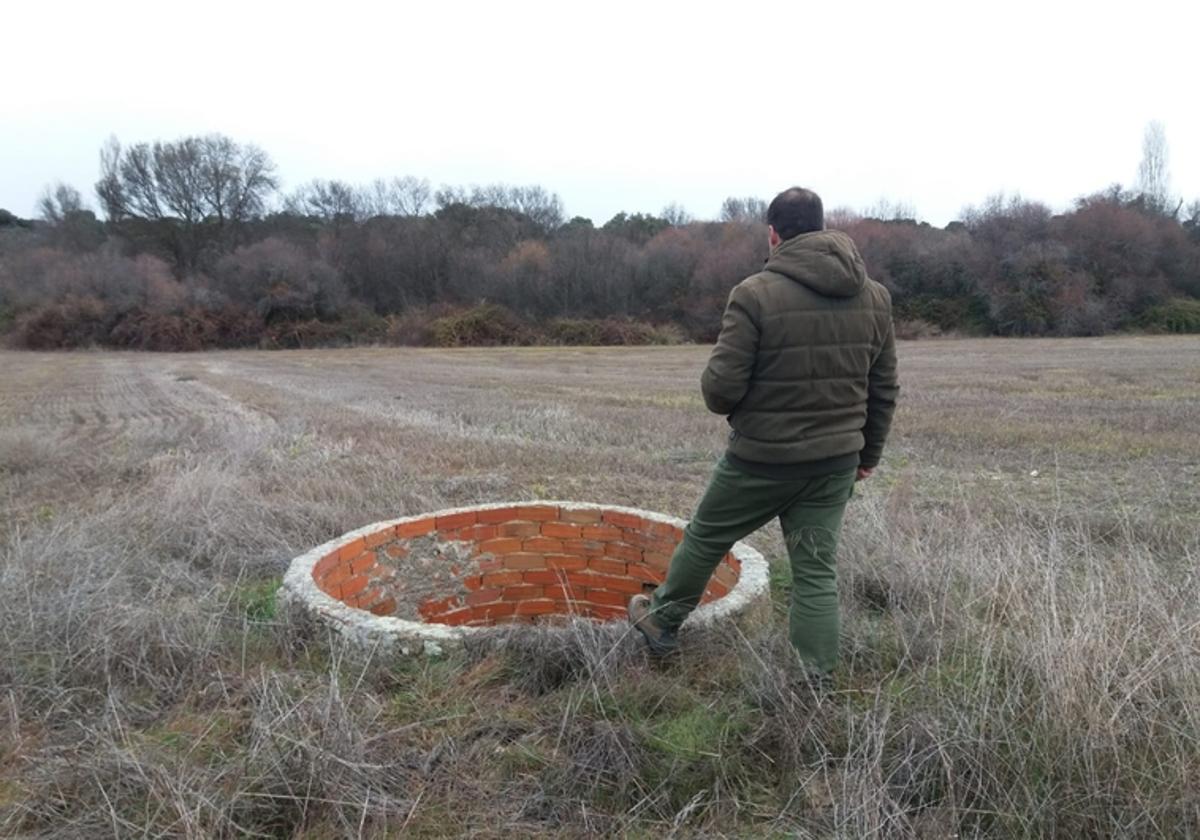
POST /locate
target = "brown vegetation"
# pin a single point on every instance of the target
(192, 255)
(1021, 608)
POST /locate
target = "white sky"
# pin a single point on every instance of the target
(618, 105)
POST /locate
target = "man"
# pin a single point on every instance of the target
(805, 372)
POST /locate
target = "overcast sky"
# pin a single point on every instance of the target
(616, 105)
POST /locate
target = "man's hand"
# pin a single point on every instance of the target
(864, 472)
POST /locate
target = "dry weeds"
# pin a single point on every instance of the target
(1022, 634)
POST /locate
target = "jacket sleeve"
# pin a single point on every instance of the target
(726, 378)
(882, 390)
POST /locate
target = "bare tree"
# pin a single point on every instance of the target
(542, 207)
(130, 184)
(237, 179)
(329, 201)
(109, 189)
(448, 194)
(677, 215)
(744, 210)
(536, 203)
(73, 226)
(402, 196)
(179, 174)
(842, 217)
(59, 202)
(1153, 178)
(185, 184)
(886, 210)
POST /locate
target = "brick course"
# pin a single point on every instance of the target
(538, 513)
(417, 528)
(562, 530)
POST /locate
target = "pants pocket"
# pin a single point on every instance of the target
(853, 484)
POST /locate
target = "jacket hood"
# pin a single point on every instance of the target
(825, 260)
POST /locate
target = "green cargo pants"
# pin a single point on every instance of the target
(736, 504)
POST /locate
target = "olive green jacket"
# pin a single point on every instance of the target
(805, 365)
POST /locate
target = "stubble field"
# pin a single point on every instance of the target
(1020, 595)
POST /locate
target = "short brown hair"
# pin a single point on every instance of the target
(795, 211)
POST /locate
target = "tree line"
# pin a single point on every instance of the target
(196, 246)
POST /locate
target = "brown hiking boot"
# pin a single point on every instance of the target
(660, 641)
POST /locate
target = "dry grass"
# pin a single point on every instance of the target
(1022, 652)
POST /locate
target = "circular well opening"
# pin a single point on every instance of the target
(537, 562)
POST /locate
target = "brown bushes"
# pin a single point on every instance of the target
(76, 321)
(192, 329)
(1012, 267)
(86, 321)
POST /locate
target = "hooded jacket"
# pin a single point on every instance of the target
(805, 365)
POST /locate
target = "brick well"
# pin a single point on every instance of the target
(469, 569)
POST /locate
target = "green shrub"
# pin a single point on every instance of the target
(1181, 315)
(968, 313)
(574, 332)
(485, 325)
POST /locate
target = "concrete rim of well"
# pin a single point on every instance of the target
(360, 626)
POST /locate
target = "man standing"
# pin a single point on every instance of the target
(805, 372)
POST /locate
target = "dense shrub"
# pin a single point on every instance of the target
(1181, 315)
(485, 325)
(414, 327)
(193, 328)
(359, 327)
(281, 282)
(667, 333)
(913, 328)
(35, 276)
(75, 321)
(574, 332)
(962, 313)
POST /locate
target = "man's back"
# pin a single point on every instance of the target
(805, 366)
